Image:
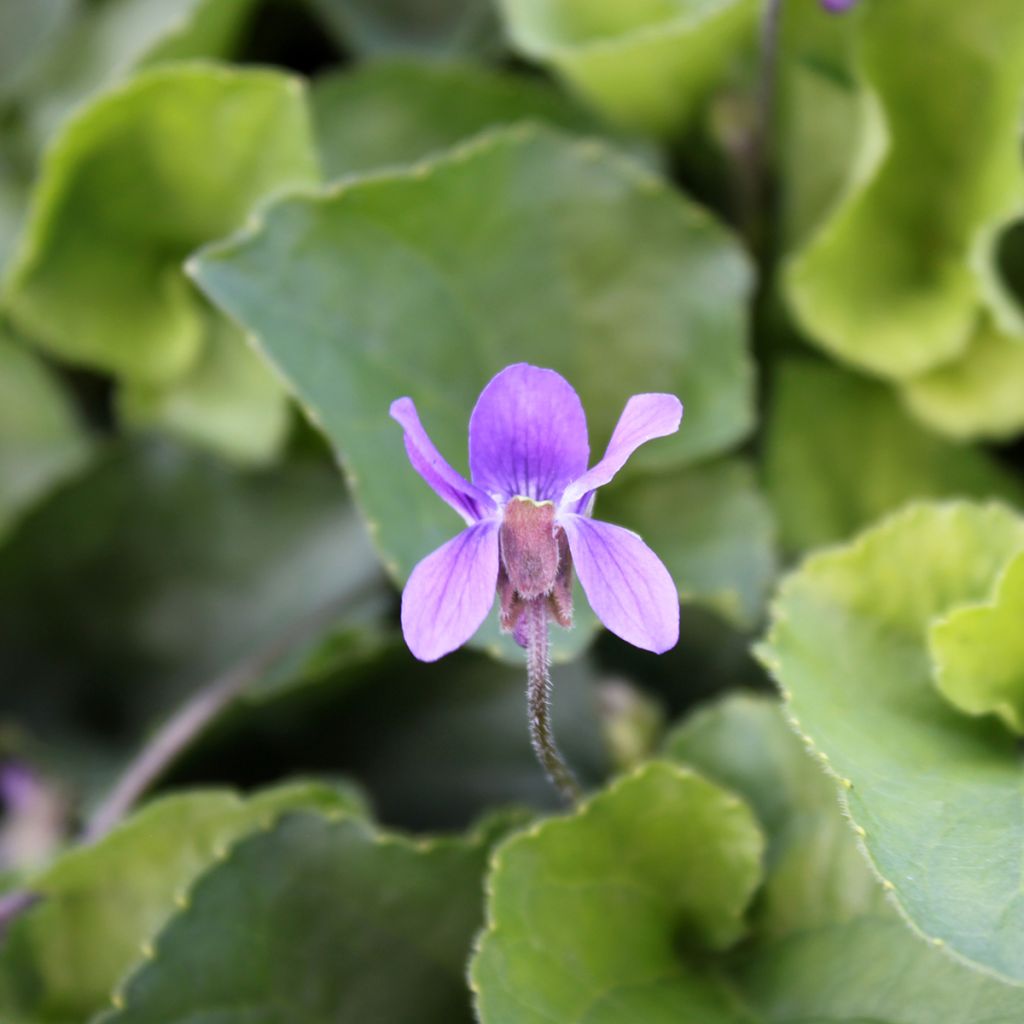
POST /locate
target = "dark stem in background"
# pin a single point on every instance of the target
(538, 699)
(756, 160)
(182, 728)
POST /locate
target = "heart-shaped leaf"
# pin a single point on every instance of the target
(646, 64)
(934, 794)
(325, 923)
(103, 904)
(522, 245)
(587, 915)
(939, 157)
(135, 181)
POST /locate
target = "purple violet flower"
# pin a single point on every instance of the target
(837, 6)
(527, 512)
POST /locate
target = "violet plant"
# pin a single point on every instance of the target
(528, 514)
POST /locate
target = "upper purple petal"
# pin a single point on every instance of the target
(837, 6)
(625, 582)
(470, 502)
(527, 434)
(451, 591)
(644, 418)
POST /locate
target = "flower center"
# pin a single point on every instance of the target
(529, 547)
(535, 564)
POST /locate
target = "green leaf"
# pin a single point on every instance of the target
(587, 915)
(939, 159)
(977, 395)
(394, 112)
(820, 116)
(521, 245)
(323, 923)
(135, 181)
(816, 876)
(41, 441)
(160, 568)
(933, 794)
(712, 528)
(841, 451)
(227, 401)
(979, 652)
(645, 65)
(441, 28)
(104, 43)
(26, 26)
(103, 904)
(870, 971)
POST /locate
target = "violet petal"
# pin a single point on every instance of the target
(470, 502)
(644, 418)
(451, 591)
(626, 583)
(527, 434)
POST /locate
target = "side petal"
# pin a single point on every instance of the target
(470, 502)
(644, 418)
(626, 584)
(527, 434)
(450, 592)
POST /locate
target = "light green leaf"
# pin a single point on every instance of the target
(323, 923)
(977, 395)
(522, 245)
(103, 904)
(841, 451)
(645, 65)
(933, 793)
(979, 652)
(711, 527)
(389, 113)
(41, 441)
(441, 28)
(587, 914)
(227, 401)
(137, 180)
(104, 43)
(939, 160)
(158, 569)
(816, 876)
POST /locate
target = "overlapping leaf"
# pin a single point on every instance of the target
(896, 279)
(323, 922)
(587, 914)
(842, 451)
(522, 246)
(137, 180)
(646, 65)
(933, 793)
(102, 905)
(394, 112)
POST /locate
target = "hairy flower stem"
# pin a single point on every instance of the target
(538, 698)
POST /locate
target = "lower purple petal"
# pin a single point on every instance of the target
(450, 592)
(626, 583)
(644, 418)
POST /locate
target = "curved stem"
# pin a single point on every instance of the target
(538, 699)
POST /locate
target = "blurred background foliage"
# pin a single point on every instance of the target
(232, 231)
